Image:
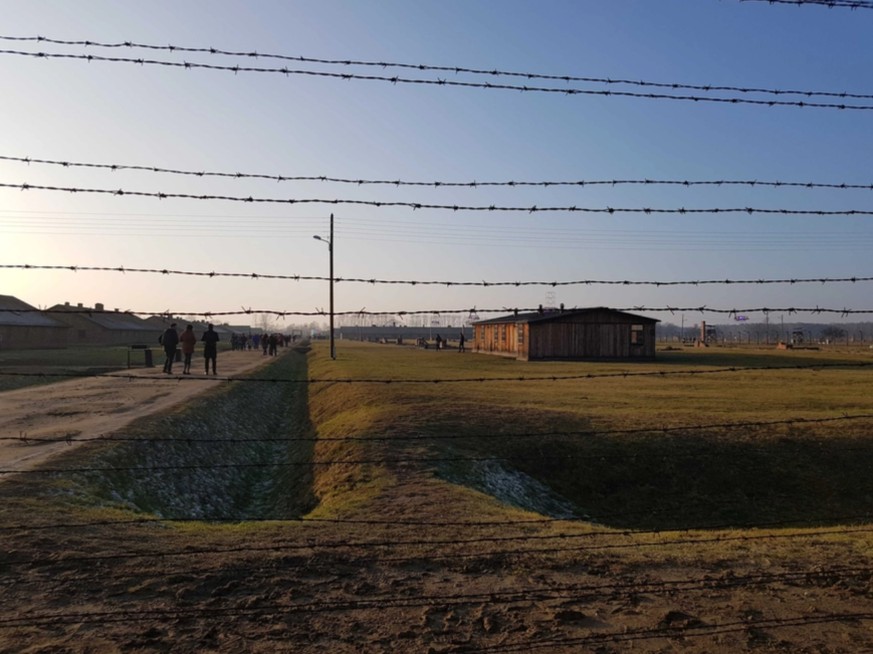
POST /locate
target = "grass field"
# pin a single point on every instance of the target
(414, 500)
(697, 476)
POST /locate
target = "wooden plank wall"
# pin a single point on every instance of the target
(574, 340)
(571, 339)
(499, 338)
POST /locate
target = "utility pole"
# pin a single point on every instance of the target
(330, 249)
(329, 242)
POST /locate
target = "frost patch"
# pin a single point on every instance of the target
(513, 487)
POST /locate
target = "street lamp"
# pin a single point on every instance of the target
(330, 251)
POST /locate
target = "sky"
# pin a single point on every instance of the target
(298, 125)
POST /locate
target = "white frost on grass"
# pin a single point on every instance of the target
(515, 488)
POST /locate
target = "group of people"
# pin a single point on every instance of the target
(443, 343)
(265, 342)
(170, 340)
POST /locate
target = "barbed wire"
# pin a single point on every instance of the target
(443, 184)
(542, 593)
(598, 456)
(600, 519)
(394, 80)
(816, 367)
(286, 547)
(584, 433)
(668, 632)
(25, 186)
(450, 69)
(554, 592)
(271, 464)
(615, 546)
(447, 283)
(509, 311)
(693, 630)
(392, 543)
(830, 4)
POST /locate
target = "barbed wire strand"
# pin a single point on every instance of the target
(512, 523)
(457, 70)
(667, 632)
(442, 184)
(603, 547)
(430, 555)
(511, 312)
(830, 4)
(394, 80)
(447, 283)
(702, 630)
(25, 186)
(585, 433)
(337, 462)
(565, 591)
(815, 367)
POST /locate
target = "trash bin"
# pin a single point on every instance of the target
(148, 362)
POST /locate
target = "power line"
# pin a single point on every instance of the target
(463, 232)
(457, 70)
(446, 283)
(394, 80)
(444, 184)
(446, 207)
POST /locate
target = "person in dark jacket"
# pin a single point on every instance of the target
(210, 347)
(169, 340)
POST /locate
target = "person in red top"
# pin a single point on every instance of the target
(188, 341)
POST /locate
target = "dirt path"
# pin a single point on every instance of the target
(94, 406)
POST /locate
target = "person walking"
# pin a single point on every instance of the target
(461, 340)
(210, 347)
(188, 341)
(169, 340)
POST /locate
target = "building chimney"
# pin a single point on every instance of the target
(98, 306)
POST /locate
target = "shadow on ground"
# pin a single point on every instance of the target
(701, 482)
